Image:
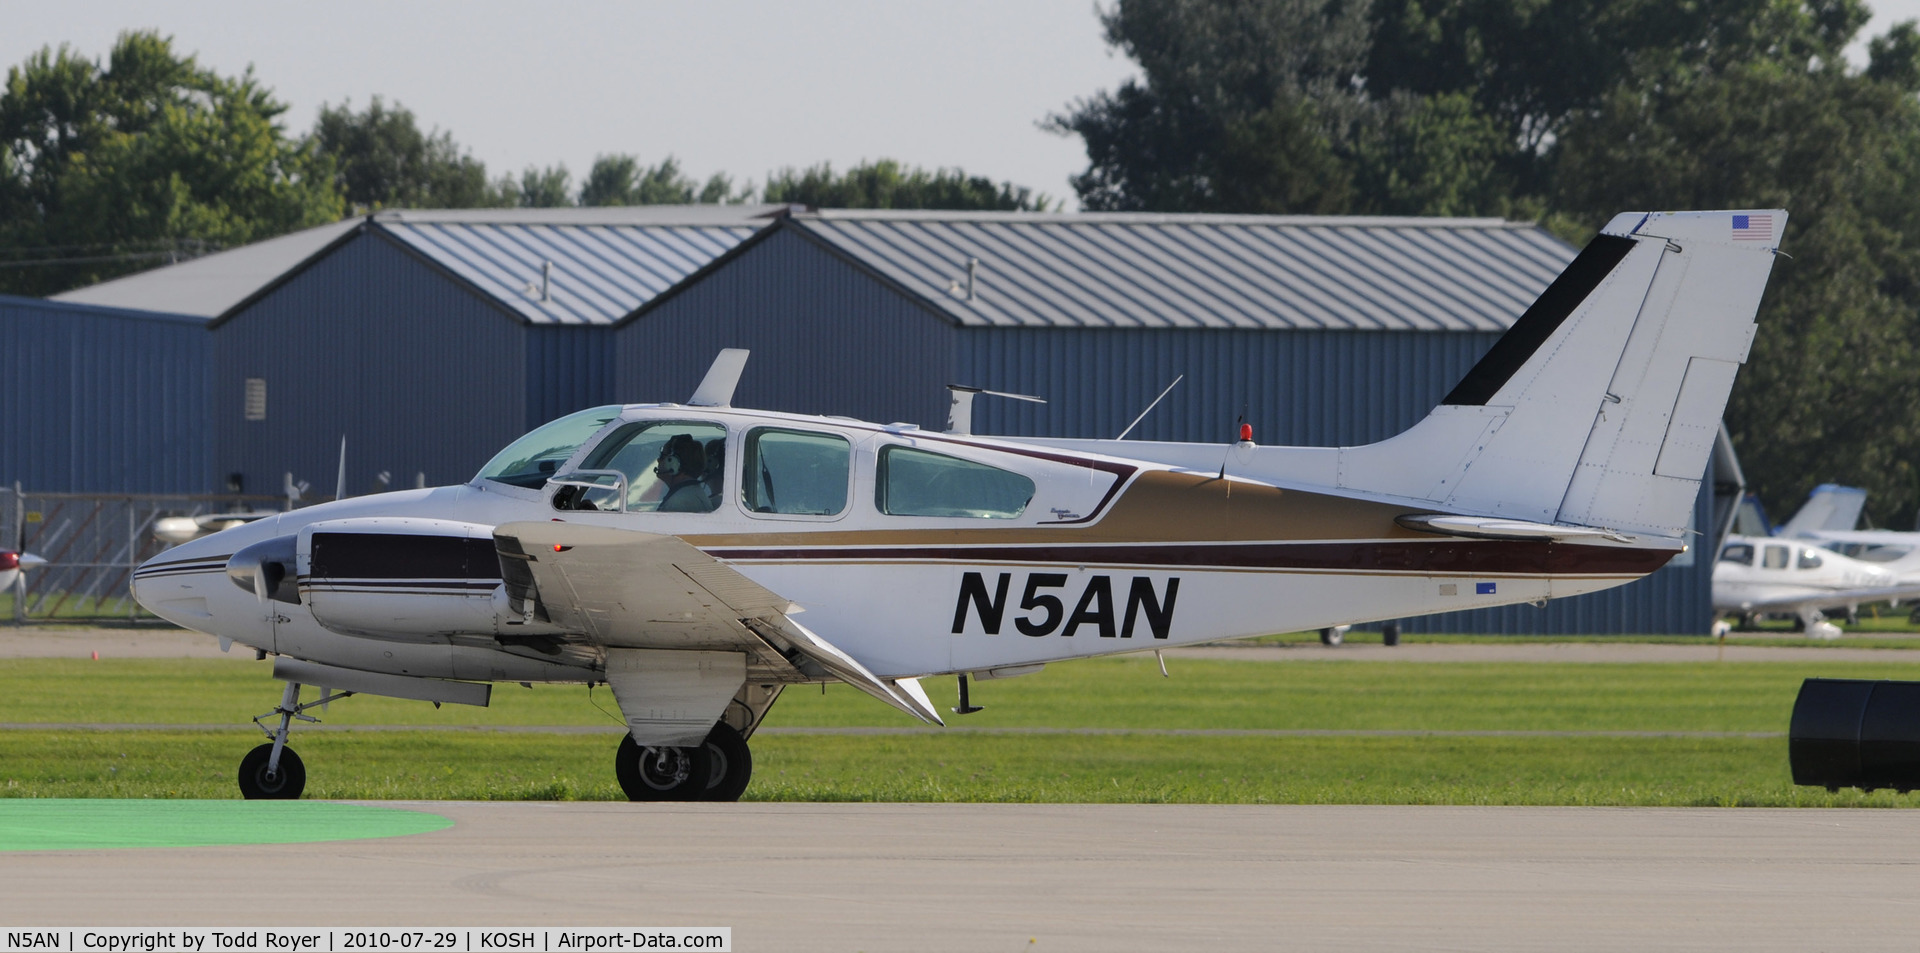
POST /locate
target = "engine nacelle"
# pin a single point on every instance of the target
(400, 577)
(1854, 733)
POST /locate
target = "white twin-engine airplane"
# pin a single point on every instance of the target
(699, 558)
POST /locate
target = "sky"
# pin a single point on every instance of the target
(737, 86)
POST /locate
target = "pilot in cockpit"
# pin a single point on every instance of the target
(681, 466)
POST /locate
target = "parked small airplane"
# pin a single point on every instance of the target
(13, 564)
(699, 558)
(1760, 574)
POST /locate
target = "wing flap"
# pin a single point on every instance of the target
(633, 590)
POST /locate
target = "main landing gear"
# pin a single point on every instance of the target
(717, 770)
(272, 770)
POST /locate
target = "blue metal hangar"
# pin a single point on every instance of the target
(430, 339)
(1317, 331)
(102, 399)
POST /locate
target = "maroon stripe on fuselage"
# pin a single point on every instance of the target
(1439, 557)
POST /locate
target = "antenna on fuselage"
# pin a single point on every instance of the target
(1150, 407)
(340, 482)
(716, 389)
(960, 411)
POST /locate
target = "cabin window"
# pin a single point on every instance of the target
(914, 482)
(530, 460)
(1776, 557)
(1809, 559)
(795, 472)
(667, 466)
(1741, 553)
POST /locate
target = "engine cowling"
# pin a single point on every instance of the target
(401, 578)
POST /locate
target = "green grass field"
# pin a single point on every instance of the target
(998, 756)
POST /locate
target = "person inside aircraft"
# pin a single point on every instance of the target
(682, 467)
(716, 471)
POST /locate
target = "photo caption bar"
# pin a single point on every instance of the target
(365, 939)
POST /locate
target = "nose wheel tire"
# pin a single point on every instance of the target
(257, 783)
(648, 773)
(732, 764)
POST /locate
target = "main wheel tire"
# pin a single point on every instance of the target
(732, 764)
(662, 773)
(257, 784)
(1332, 636)
(1390, 634)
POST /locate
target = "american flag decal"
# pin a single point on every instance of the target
(1752, 228)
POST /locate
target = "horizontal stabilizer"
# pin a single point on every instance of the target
(1493, 527)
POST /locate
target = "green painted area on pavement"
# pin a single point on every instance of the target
(96, 823)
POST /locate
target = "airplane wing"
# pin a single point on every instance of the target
(631, 590)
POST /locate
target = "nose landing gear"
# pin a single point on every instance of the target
(272, 770)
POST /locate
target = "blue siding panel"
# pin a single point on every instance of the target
(421, 375)
(826, 339)
(568, 368)
(103, 400)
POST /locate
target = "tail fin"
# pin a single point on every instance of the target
(1599, 407)
(1829, 507)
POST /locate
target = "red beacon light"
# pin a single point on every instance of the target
(1246, 433)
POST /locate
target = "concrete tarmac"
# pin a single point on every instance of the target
(971, 877)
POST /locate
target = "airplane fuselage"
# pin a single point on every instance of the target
(1104, 554)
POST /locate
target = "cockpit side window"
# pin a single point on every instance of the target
(530, 460)
(1776, 557)
(914, 482)
(667, 466)
(1741, 553)
(1810, 559)
(795, 472)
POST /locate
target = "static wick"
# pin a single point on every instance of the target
(1163, 663)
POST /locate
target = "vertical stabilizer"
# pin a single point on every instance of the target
(1599, 407)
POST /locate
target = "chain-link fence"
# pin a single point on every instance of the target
(92, 542)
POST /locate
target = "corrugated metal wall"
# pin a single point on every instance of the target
(420, 374)
(101, 400)
(568, 368)
(826, 339)
(1303, 388)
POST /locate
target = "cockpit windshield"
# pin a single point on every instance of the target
(530, 460)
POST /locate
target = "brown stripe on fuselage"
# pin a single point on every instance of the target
(1437, 557)
(1157, 507)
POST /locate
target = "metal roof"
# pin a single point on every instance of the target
(212, 285)
(599, 273)
(209, 285)
(1124, 270)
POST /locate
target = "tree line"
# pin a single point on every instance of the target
(145, 157)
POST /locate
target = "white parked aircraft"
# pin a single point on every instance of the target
(1761, 574)
(1829, 518)
(700, 558)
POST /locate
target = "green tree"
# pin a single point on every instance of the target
(550, 187)
(1220, 81)
(888, 184)
(620, 179)
(383, 160)
(1831, 389)
(108, 167)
